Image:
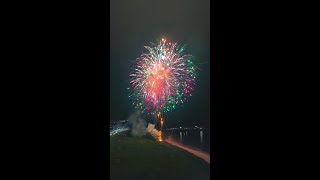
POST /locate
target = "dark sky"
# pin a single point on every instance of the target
(136, 23)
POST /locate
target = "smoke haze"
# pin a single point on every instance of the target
(152, 130)
(138, 124)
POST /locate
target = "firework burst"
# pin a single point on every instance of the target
(162, 79)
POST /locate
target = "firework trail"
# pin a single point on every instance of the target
(162, 79)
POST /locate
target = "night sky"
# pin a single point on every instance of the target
(133, 24)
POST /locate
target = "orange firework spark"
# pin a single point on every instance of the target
(160, 136)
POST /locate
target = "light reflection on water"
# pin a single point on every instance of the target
(196, 138)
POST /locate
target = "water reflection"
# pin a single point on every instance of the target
(196, 138)
(184, 134)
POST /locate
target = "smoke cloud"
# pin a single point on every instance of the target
(152, 130)
(138, 124)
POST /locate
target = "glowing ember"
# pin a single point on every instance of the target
(160, 136)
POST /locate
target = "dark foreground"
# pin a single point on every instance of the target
(142, 158)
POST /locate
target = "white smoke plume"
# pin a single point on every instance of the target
(152, 130)
(138, 124)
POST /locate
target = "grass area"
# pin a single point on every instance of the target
(142, 158)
